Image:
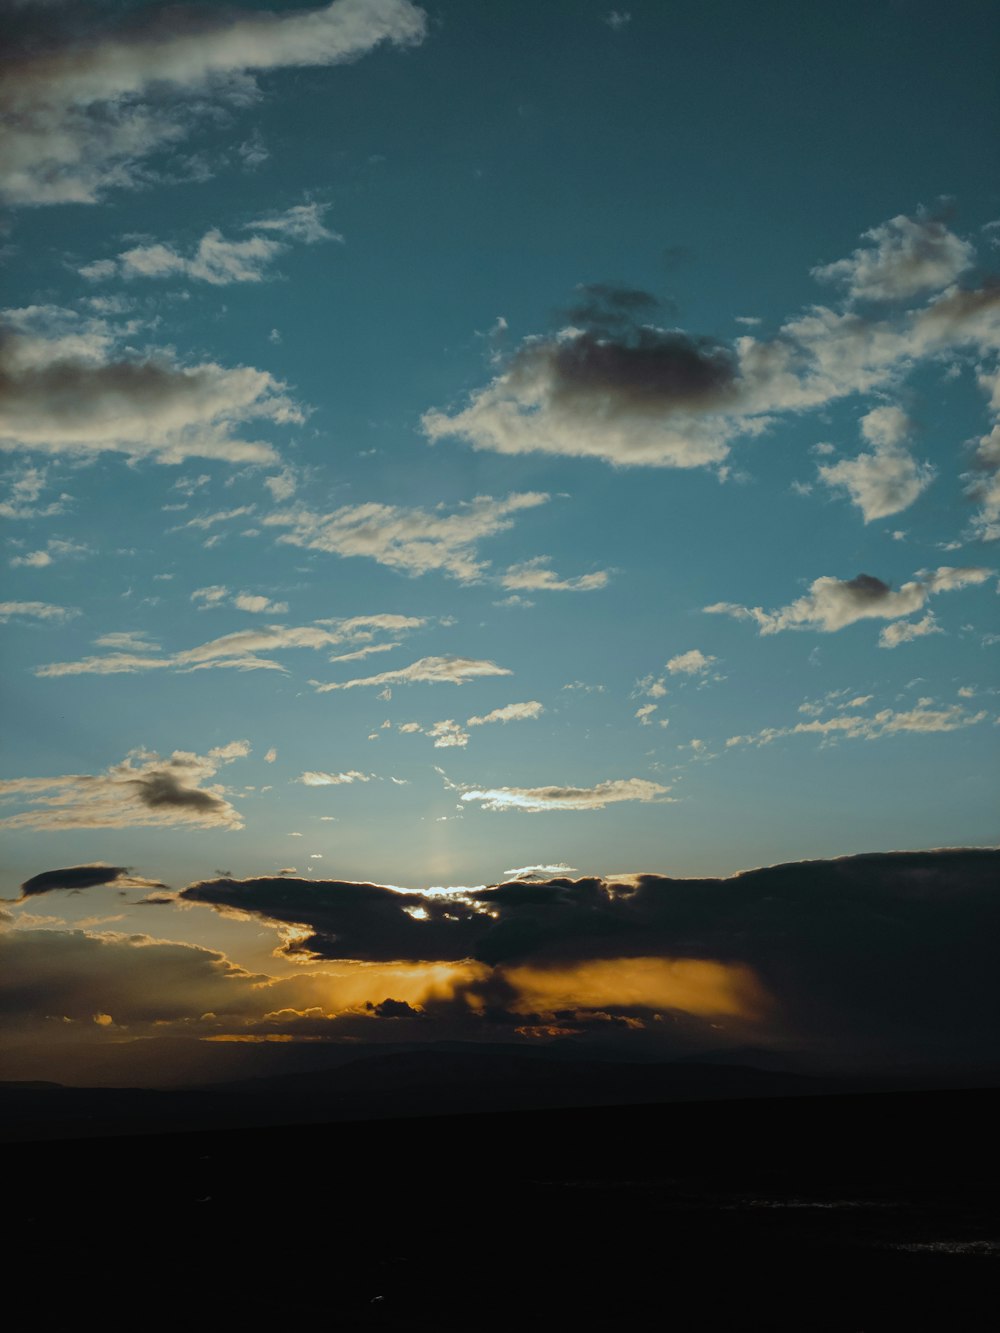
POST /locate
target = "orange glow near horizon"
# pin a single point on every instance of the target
(695, 985)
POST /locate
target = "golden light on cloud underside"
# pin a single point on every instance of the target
(416, 983)
(694, 985)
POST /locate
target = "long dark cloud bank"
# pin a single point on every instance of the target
(892, 953)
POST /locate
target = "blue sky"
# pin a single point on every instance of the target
(581, 418)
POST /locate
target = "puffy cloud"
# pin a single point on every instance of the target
(904, 631)
(216, 260)
(509, 713)
(645, 714)
(447, 734)
(906, 256)
(36, 611)
(240, 650)
(881, 483)
(534, 576)
(693, 663)
(539, 799)
(143, 790)
(73, 878)
(456, 670)
(887, 480)
(616, 388)
(84, 115)
(415, 541)
(68, 387)
(629, 398)
(832, 603)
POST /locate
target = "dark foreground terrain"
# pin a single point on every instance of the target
(853, 1212)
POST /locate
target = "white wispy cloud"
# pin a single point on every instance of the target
(535, 800)
(319, 779)
(215, 259)
(509, 713)
(535, 576)
(142, 791)
(415, 541)
(453, 670)
(56, 548)
(84, 115)
(242, 649)
(870, 727)
(833, 603)
(36, 611)
(25, 488)
(255, 603)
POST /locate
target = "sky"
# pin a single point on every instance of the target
(464, 445)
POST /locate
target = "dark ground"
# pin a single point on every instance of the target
(859, 1213)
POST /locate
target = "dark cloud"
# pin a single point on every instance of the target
(365, 922)
(389, 1008)
(84, 877)
(641, 369)
(162, 789)
(862, 953)
(602, 306)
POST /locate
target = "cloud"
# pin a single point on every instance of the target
(773, 951)
(693, 663)
(85, 114)
(73, 878)
(255, 603)
(315, 779)
(887, 480)
(271, 755)
(631, 393)
(413, 540)
(26, 487)
(881, 483)
(456, 670)
(539, 799)
(539, 872)
(216, 260)
(36, 611)
(832, 603)
(129, 640)
(240, 650)
(142, 791)
(509, 713)
(636, 397)
(56, 548)
(70, 387)
(906, 256)
(904, 631)
(871, 727)
(532, 575)
(447, 734)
